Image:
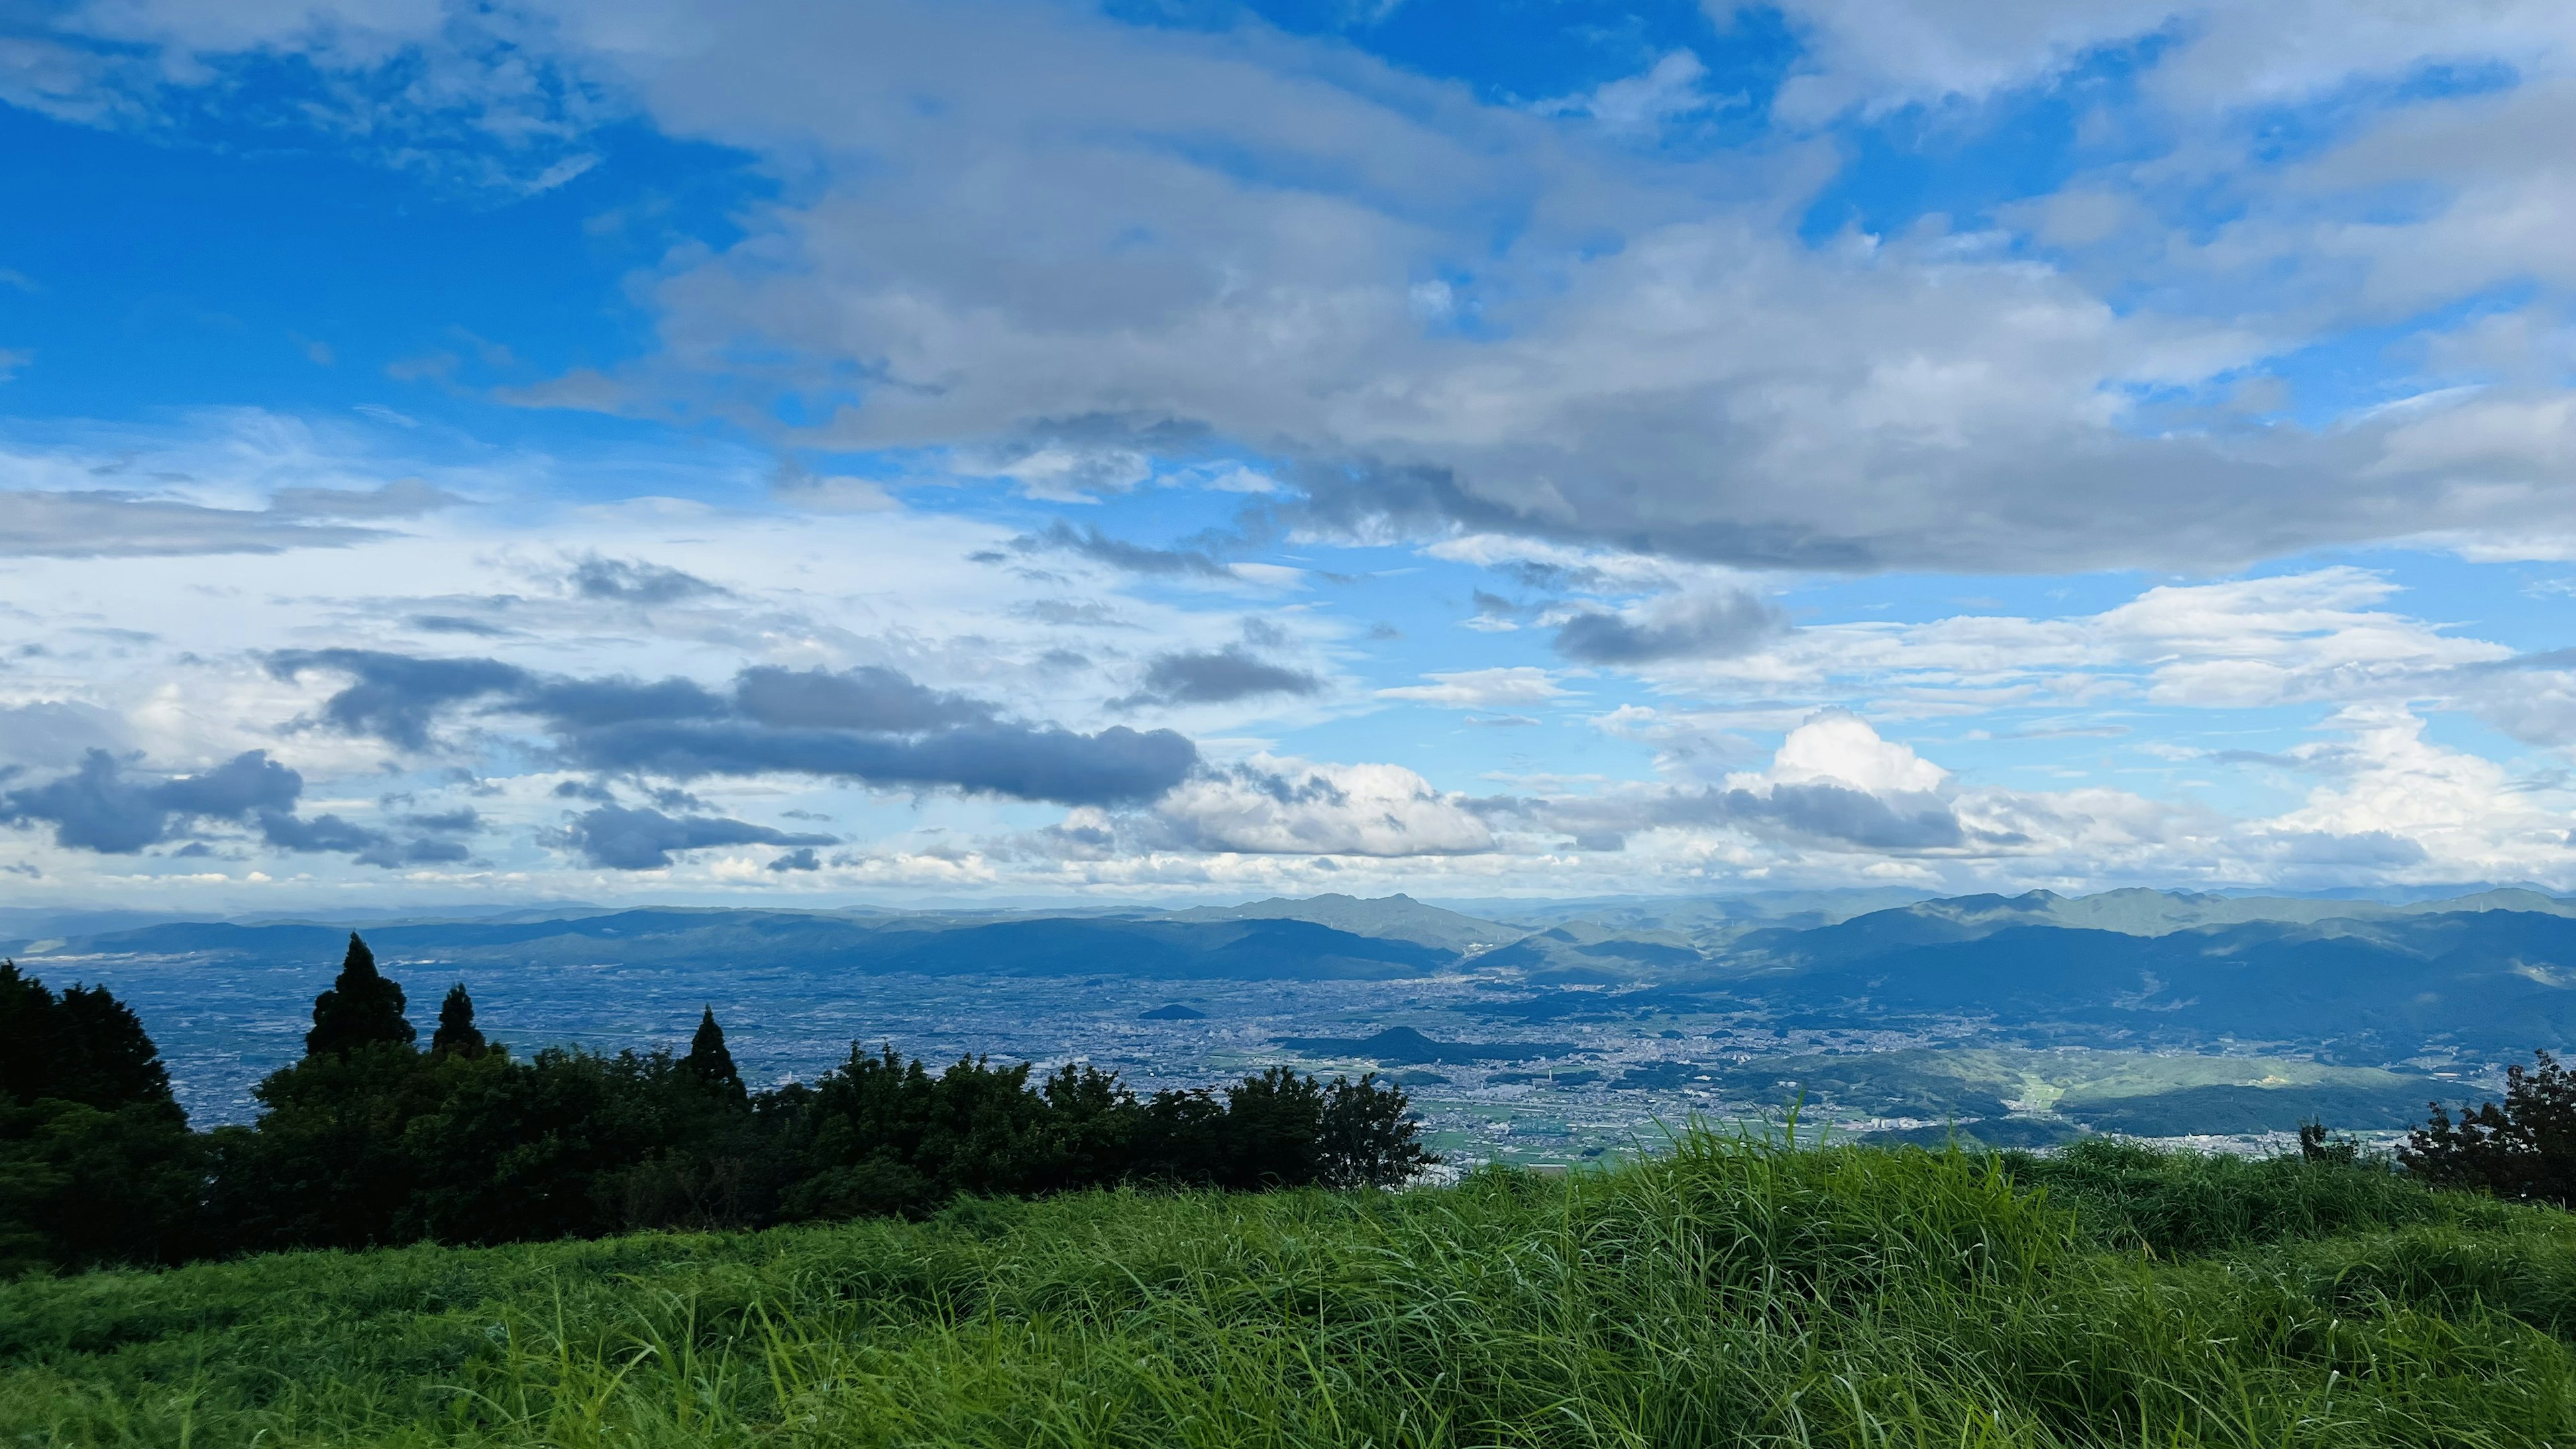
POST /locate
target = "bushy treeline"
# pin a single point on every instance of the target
(373, 1139)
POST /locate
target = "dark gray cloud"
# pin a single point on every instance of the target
(1135, 558)
(866, 698)
(101, 806)
(418, 852)
(320, 834)
(396, 696)
(1705, 626)
(1116, 766)
(633, 581)
(801, 859)
(581, 704)
(619, 838)
(458, 624)
(872, 725)
(1218, 677)
(110, 807)
(461, 821)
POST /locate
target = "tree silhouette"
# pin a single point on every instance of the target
(457, 1035)
(2523, 1149)
(361, 1008)
(709, 1060)
(82, 1046)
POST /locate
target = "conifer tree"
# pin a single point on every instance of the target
(710, 1061)
(82, 1046)
(27, 1029)
(457, 1035)
(361, 1008)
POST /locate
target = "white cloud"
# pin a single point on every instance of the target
(1273, 805)
(1710, 387)
(1481, 688)
(2278, 639)
(1840, 747)
(1668, 89)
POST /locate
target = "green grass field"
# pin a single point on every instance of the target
(1728, 1292)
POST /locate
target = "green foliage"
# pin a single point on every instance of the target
(361, 1009)
(710, 1062)
(81, 1186)
(2525, 1148)
(367, 1142)
(1733, 1291)
(457, 1034)
(82, 1045)
(96, 1163)
(2188, 1203)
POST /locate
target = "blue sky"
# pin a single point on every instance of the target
(998, 451)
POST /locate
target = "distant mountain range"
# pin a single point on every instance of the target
(2495, 969)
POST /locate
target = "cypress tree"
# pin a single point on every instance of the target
(457, 1035)
(710, 1061)
(361, 1008)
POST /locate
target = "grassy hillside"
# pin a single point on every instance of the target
(1729, 1293)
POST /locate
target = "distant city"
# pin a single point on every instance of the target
(1529, 1032)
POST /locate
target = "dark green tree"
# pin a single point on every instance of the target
(362, 1008)
(96, 1161)
(710, 1061)
(26, 1034)
(1368, 1137)
(2525, 1148)
(1273, 1127)
(457, 1036)
(83, 1046)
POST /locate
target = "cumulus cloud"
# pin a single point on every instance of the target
(619, 838)
(871, 725)
(1834, 784)
(1271, 806)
